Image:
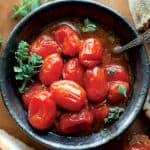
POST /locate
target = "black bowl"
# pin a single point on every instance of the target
(32, 25)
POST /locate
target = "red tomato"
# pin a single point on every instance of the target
(44, 46)
(116, 73)
(95, 84)
(137, 147)
(73, 71)
(42, 110)
(68, 95)
(76, 122)
(51, 69)
(101, 112)
(91, 53)
(118, 91)
(68, 40)
(26, 97)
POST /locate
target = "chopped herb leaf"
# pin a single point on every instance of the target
(1, 40)
(27, 65)
(46, 1)
(114, 114)
(111, 72)
(111, 38)
(88, 26)
(122, 90)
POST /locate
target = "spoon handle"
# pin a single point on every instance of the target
(141, 39)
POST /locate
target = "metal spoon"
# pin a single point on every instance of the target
(141, 39)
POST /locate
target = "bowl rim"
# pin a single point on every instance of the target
(5, 100)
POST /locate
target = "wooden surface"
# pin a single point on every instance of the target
(6, 25)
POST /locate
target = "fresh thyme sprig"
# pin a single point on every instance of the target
(27, 67)
(25, 7)
(114, 114)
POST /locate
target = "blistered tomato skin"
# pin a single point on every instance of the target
(118, 91)
(80, 80)
(116, 73)
(68, 40)
(137, 147)
(91, 53)
(76, 122)
(44, 46)
(68, 95)
(42, 110)
(100, 112)
(74, 71)
(51, 69)
(95, 84)
(26, 97)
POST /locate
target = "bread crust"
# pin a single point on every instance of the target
(146, 107)
(140, 11)
(8, 142)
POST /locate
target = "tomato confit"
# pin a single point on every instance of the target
(69, 80)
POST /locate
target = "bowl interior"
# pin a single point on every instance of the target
(31, 26)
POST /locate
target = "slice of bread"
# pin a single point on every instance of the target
(146, 107)
(140, 11)
(8, 142)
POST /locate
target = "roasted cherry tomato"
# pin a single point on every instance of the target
(137, 147)
(68, 40)
(51, 69)
(76, 122)
(116, 73)
(100, 112)
(118, 91)
(42, 110)
(26, 97)
(44, 46)
(68, 94)
(91, 53)
(95, 84)
(73, 71)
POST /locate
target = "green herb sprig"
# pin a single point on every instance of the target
(114, 114)
(25, 7)
(27, 67)
(88, 26)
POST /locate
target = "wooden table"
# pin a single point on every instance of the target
(6, 25)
